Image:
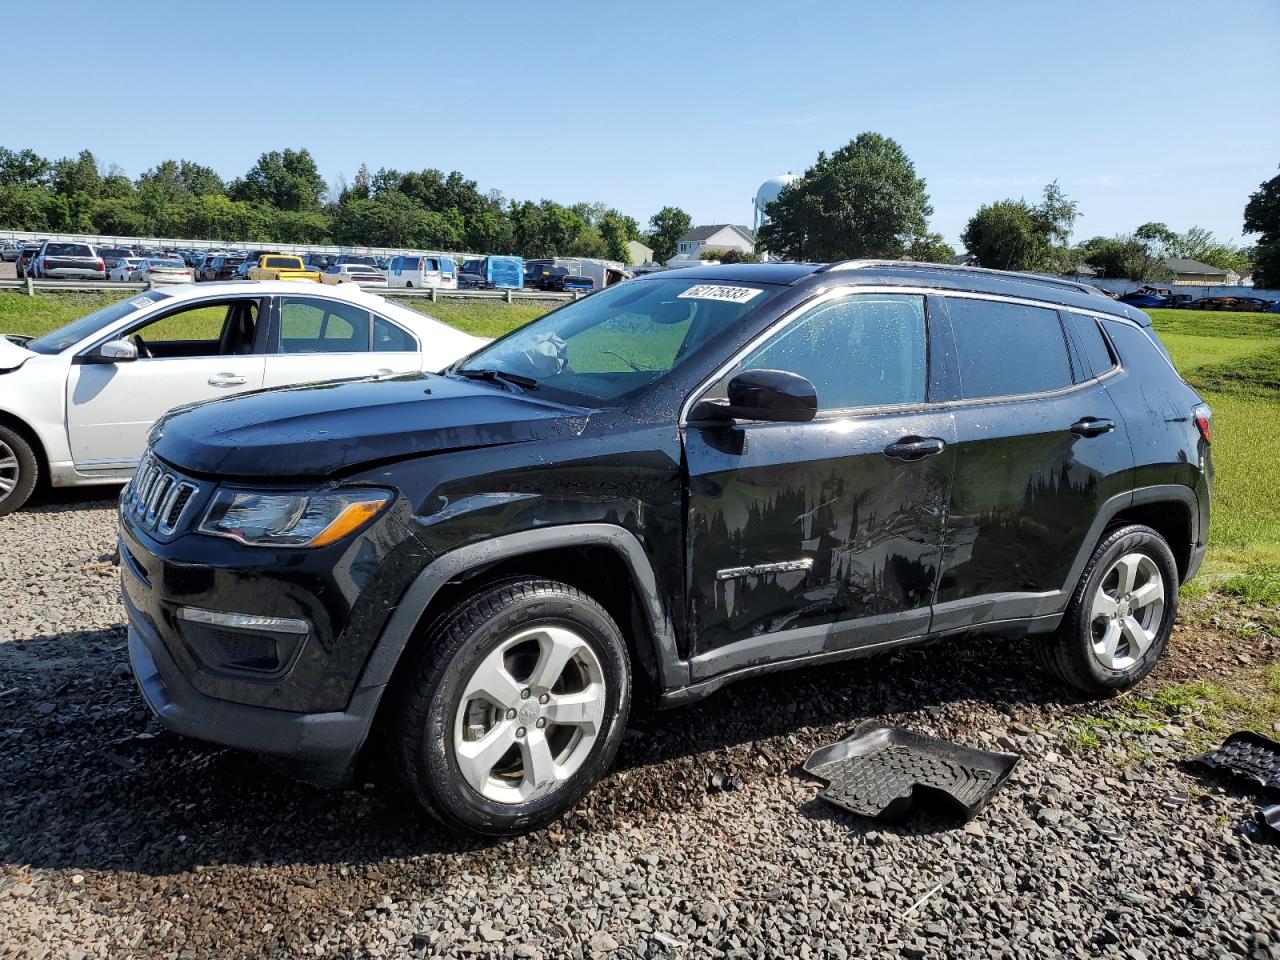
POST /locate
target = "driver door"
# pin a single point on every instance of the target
(198, 352)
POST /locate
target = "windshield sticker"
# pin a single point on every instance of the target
(712, 291)
(141, 302)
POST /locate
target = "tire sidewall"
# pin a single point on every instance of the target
(1130, 540)
(28, 471)
(445, 781)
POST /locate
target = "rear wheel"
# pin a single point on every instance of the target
(19, 470)
(515, 708)
(1121, 614)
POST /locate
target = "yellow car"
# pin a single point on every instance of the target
(278, 266)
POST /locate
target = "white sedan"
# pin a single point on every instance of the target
(123, 271)
(356, 273)
(170, 270)
(76, 404)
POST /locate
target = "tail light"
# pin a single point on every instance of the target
(102, 265)
(1203, 417)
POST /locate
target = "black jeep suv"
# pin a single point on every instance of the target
(682, 480)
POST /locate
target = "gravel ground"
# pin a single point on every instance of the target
(117, 839)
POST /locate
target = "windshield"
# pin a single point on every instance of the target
(87, 326)
(621, 339)
(168, 264)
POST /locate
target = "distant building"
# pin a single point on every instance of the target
(640, 254)
(1193, 271)
(717, 236)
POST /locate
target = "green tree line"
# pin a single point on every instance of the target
(283, 199)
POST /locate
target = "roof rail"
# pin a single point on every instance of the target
(957, 268)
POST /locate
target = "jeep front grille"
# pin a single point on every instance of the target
(157, 498)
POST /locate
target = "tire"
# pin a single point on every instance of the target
(1120, 616)
(507, 639)
(19, 470)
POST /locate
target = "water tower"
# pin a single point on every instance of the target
(768, 193)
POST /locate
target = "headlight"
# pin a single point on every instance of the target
(263, 519)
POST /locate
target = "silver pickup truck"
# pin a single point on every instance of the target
(68, 261)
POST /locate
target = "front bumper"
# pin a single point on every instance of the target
(319, 748)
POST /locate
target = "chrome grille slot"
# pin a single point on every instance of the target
(157, 498)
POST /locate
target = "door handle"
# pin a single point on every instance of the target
(1092, 426)
(914, 448)
(226, 380)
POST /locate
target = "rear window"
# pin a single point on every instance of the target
(281, 262)
(68, 250)
(1007, 349)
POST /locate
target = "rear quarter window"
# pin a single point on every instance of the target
(1092, 343)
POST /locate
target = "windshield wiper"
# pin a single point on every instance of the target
(498, 376)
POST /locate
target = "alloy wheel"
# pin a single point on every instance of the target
(1127, 610)
(529, 714)
(8, 469)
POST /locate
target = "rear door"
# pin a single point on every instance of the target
(820, 537)
(1040, 446)
(315, 338)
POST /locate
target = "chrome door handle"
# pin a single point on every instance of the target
(226, 380)
(1092, 426)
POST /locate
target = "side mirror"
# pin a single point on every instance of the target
(113, 351)
(770, 395)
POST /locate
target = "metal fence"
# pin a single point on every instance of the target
(31, 287)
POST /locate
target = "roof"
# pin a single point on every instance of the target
(1185, 265)
(905, 273)
(707, 232)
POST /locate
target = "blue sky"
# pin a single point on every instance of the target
(1141, 110)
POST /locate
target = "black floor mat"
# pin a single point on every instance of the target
(1248, 754)
(880, 772)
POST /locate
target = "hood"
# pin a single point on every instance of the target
(12, 355)
(324, 429)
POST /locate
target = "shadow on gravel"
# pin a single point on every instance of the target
(71, 498)
(91, 782)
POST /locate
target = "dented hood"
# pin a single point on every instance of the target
(326, 429)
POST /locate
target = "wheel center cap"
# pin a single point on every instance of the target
(529, 711)
(1124, 607)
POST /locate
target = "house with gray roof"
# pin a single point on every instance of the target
(716, 236)
(1193, 271)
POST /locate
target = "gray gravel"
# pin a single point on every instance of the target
(119, 840)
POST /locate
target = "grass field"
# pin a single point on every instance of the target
(1232, 358)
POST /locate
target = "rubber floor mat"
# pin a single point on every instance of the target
(882, 771)
(1248, 754)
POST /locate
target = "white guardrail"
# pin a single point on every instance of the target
(31, 287)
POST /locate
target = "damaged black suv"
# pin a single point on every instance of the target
(682, 480)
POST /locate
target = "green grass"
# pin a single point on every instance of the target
(483, 318)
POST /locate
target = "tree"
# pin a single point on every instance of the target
(865, 200)
(615, 230)
(1128, 256)
(284, 179)
(666, 227)
(930, 248)
(78, 176)
(1015, 235)
(1005, 235)
(1262, 216)
(23, 168)
(176, 180)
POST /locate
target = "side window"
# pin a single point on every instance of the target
(1092, 342)
(861, 351)
(309, 325)
(1006, 349)
(207, 330)
(389, 338)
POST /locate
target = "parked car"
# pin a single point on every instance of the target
(9, 251)
(578, 284)
(125, 269)
(319, 262)
(677, 482)
(422, 272)
(25, 256)
(542, 274)
(1147, 297)
(77, 403)
(353, 259)
(1249, 305)
(57, 260)
(111, 257)
(282, 266)
(167, 270)
(356, 273)
(221, 268)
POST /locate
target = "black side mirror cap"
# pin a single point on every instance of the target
(769, 395)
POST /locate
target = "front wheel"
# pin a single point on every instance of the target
(515, 707)
(1120, 616)
(19, 470)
